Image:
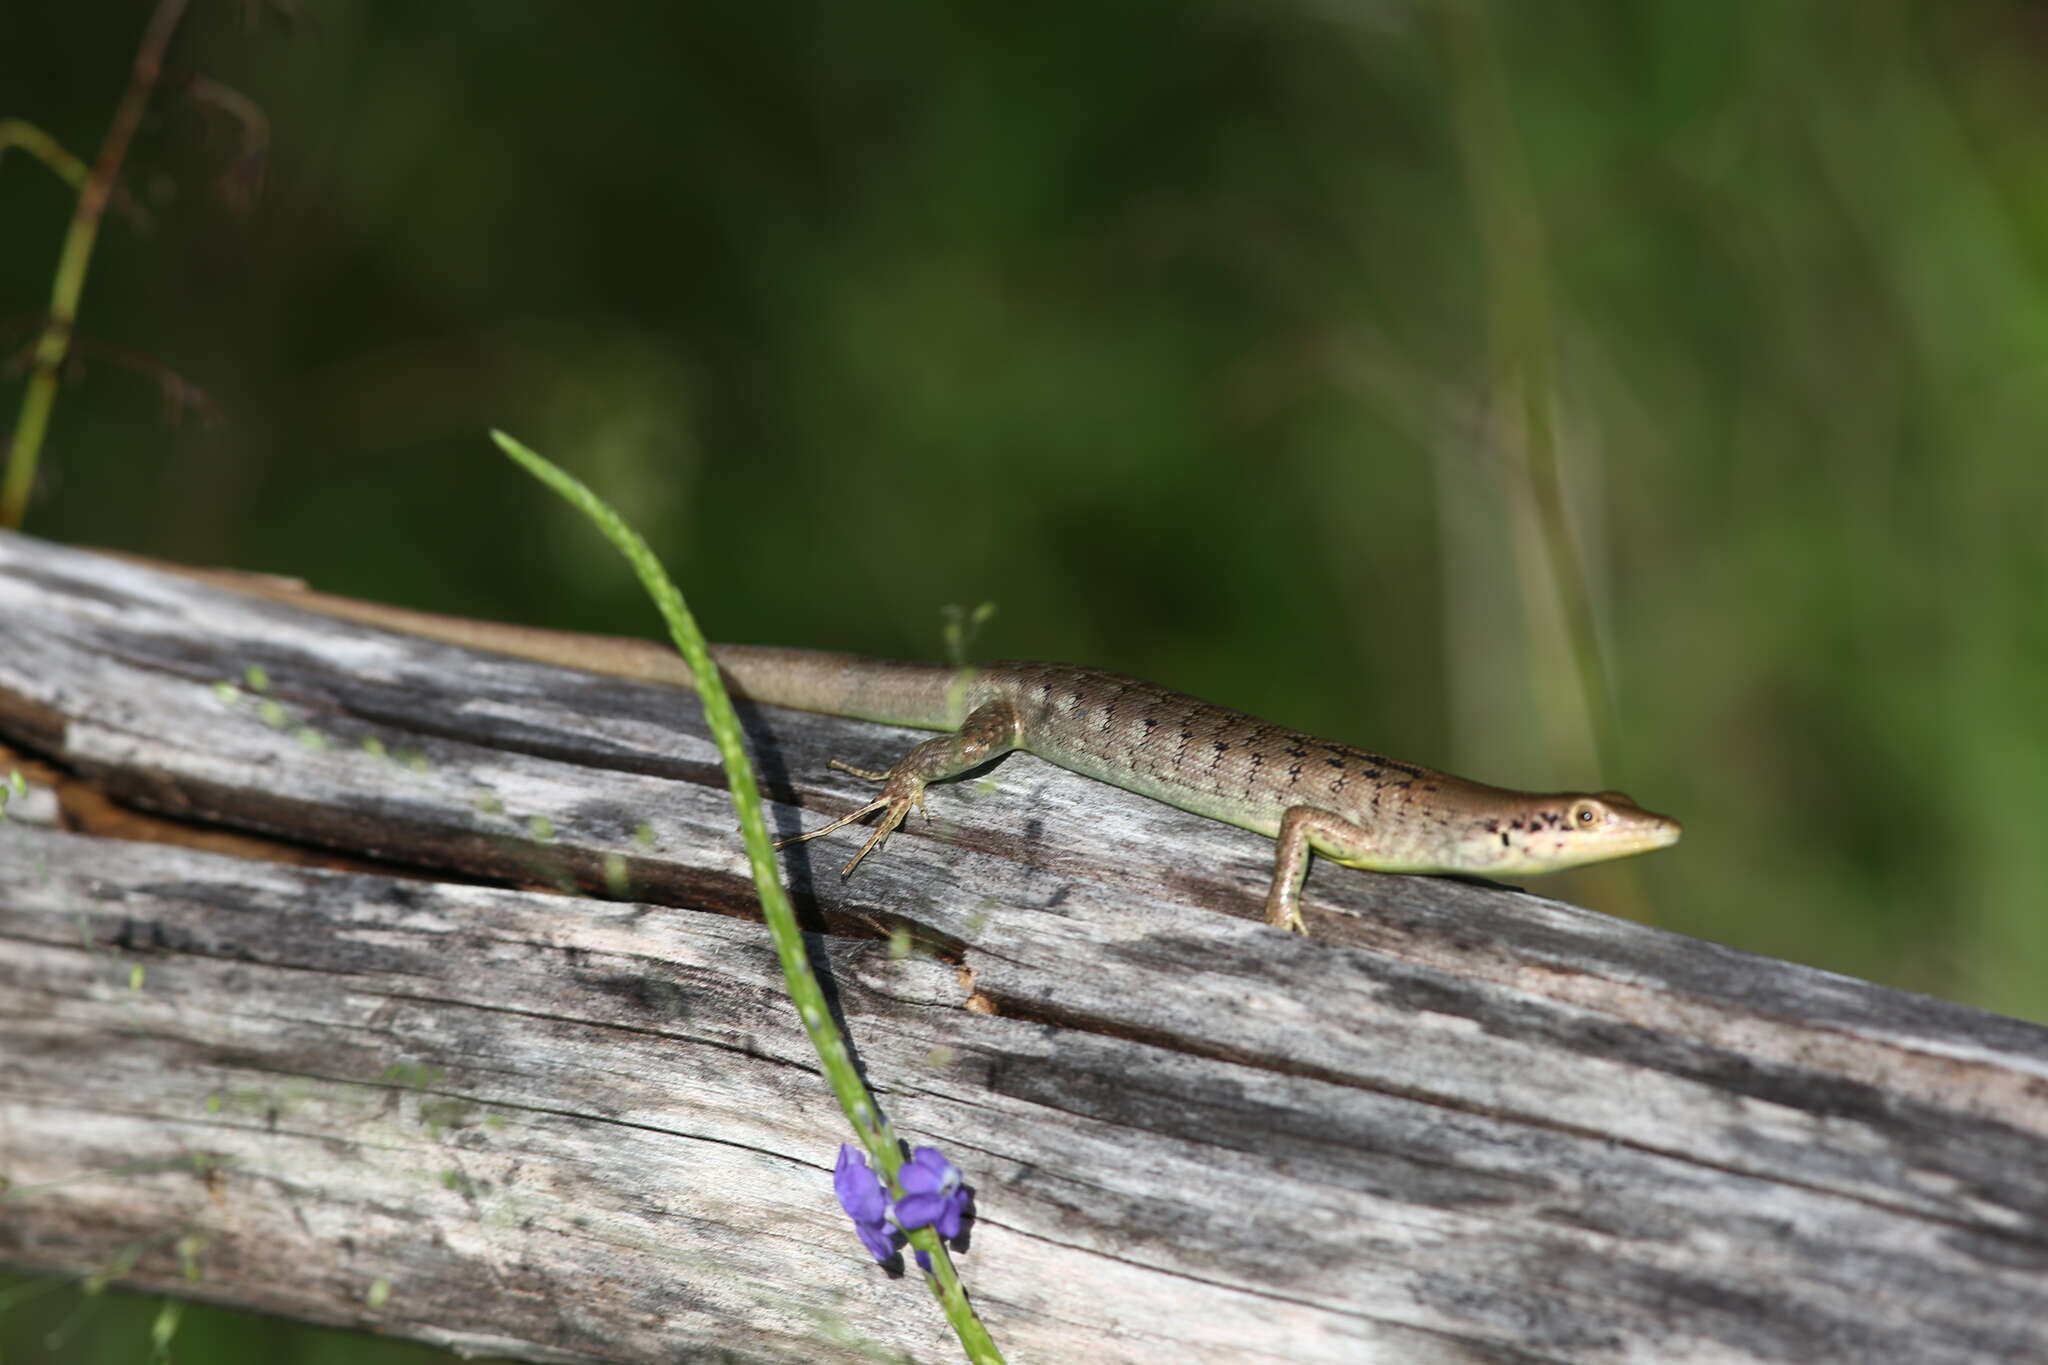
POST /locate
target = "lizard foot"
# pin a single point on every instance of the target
(904, 791)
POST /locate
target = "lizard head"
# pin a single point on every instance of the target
(1568, 829)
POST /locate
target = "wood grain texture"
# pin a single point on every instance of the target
(1461, 1124)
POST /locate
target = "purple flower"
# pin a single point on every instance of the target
(866, 1201)
(933, 1196)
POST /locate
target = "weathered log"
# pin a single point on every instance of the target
(1461, 1123)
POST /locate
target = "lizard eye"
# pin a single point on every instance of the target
(1586, 814)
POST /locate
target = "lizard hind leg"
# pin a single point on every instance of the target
(905, 790)
(991, 729)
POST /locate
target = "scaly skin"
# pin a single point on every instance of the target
(1352, 806)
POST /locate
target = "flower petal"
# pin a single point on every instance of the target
(948, 1221)
(928, 1172)
(878, 1238)
(915, 1211)
(860, 1190)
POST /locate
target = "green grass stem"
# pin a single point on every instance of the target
(68, 287)
(840, 1073)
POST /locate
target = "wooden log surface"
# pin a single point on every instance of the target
(296, 1016)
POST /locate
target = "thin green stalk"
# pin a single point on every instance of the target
(1511, 232)
(1511, 235)
(15, 132)
(69, 285)
(840, 1073)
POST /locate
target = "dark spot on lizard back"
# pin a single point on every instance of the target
(1407, 770)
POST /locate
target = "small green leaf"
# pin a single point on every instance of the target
(164, 1329)
(962, 625)
(188, 1249)
(412, 1075)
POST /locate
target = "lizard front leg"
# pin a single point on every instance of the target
(1302, 830)
(989, 731)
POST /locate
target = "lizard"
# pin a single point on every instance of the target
(1352, 806)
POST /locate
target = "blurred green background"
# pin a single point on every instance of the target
(1204, 339)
